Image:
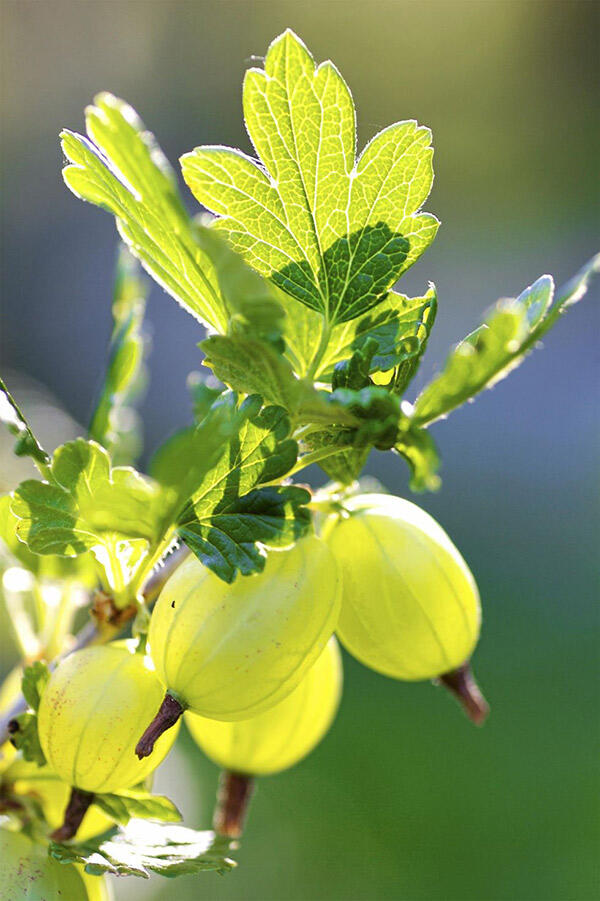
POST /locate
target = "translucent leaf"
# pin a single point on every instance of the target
(125, 805)
(120, 168)
(332, 231)
(511, 329)
(115, 513)
(143, 847)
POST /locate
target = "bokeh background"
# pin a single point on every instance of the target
(404, 799)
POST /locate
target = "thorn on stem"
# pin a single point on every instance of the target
(168, 713)
(465, 689)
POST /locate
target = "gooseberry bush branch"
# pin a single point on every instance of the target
(290, 265)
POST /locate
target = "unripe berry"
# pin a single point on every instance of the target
(229, 652)
(28, 874)
(279, 737)
(410, 606)
(91, 713)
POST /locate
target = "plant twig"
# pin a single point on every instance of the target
(94, 633)
(233, 799)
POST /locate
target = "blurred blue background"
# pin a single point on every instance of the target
(404, 799)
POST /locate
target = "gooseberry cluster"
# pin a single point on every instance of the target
(236, 582)
(255, 665)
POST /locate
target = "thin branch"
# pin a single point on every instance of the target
(94, 633)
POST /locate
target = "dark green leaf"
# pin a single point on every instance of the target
(346, 465)
(511, 330)
(378, 412)
(143, 847)
(26, 444)
(34, 681)
(227, 539)
(133, 803)
(224, 512)
(115, 421)
(401, 326)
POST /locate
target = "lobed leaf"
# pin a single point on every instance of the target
(229, 538)
(142, 847)
(80, 569)
(225, 517)
(115, 513)
(509, 333)
(331, 231)
(120, 168)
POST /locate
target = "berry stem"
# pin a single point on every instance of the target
(463, 686)
(75, 811)
(168, 713)
(233, 799)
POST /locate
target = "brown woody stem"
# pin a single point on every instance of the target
(74, 813)
(465, 689)
(233, 799)
(168, 713)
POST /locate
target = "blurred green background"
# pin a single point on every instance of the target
(404, 799)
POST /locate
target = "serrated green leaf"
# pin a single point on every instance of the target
(253, 366)
(488, 354)
(120, 168)
(34, 681)
(26, 444)
(115, 423)
(378, 412)
(115, 513)
(229, 539)
(401, 326)
(333, 232)
(225, 516)
(250, 365)
(143, 847)
(24, 736)
(182, 463)
(125, 805)
(80, 569)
